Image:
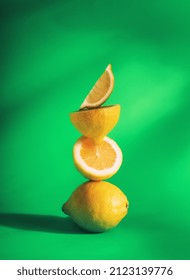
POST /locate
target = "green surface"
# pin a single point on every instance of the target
(52, 52)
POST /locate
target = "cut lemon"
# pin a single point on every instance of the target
(97, 161)
(101, 90)
(96, 123)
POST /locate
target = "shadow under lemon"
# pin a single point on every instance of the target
(44, 223)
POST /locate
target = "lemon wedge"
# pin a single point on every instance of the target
(100, 91)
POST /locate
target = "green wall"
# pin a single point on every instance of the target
(52, 52)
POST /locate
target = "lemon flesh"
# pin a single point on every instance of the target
(97, 161)
(97, 206)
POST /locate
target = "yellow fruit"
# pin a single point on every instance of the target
(100, 91)
(96, 123)
(97, 206)
(97, 161)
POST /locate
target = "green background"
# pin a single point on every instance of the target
(52, 52)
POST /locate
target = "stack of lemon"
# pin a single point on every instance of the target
(97, 205)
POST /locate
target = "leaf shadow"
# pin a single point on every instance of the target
(44, 223)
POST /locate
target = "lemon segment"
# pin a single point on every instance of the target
(101, 90)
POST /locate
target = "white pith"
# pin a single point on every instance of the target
(92, 171)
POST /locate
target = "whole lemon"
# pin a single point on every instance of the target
(97, 206)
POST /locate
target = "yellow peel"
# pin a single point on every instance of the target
(96, 123)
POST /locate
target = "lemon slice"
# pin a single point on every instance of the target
(97, 161)
(101, 90)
